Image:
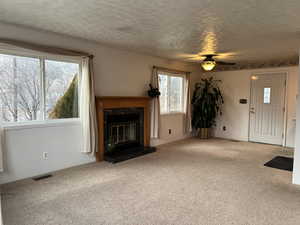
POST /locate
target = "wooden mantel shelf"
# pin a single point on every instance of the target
(114, 102)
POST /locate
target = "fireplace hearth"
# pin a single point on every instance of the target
(124, 125)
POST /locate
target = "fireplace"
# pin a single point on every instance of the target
(123, 124)
(123, 128)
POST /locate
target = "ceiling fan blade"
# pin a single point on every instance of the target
(195, 57)
(225, 63)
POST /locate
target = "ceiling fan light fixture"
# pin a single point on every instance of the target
(208, 65)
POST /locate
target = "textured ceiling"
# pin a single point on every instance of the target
(261, 32)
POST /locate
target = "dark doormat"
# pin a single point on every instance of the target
(281, 162)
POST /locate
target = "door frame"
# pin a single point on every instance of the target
(285, 115)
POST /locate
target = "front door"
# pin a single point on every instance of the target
(267, 108)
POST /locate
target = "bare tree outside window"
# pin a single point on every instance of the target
(19, 88)
(163, 88)
(21, 92)
(171, 89)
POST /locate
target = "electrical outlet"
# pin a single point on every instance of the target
(224, 128)
(170, 131)
(45, 155)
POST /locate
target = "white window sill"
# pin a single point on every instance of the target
(172, 113)
(41, 124)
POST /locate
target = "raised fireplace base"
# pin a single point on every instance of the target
(129, 153)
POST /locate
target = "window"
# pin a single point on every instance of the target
(61, 89)
(171, 88)
(37, 88)
(267, 95)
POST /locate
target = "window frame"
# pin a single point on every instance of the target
(268, 97)
(169, 74)
(42, 57)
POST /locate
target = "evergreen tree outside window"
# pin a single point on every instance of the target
(61, 81)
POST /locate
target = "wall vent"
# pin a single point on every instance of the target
(42, 177)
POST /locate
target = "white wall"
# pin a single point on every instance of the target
(23, 155)
(117, 73)
(174, 122)
(296, 169)
(236, 85)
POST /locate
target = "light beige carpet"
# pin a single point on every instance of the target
(213, 182)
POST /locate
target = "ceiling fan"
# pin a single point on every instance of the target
(209, 62)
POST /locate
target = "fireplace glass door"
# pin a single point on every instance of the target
(122, 133)
(123, 128)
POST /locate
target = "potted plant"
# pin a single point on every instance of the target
(207, 102)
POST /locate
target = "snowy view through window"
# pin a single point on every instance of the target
(28, 92)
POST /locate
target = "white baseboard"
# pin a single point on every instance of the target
(157, 142)
(246, 139)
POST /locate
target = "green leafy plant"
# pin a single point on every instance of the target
(207, 101)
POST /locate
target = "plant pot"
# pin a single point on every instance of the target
(204, 133)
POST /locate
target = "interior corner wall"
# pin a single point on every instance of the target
(235, 86)
(296, 169)
(117, 73)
